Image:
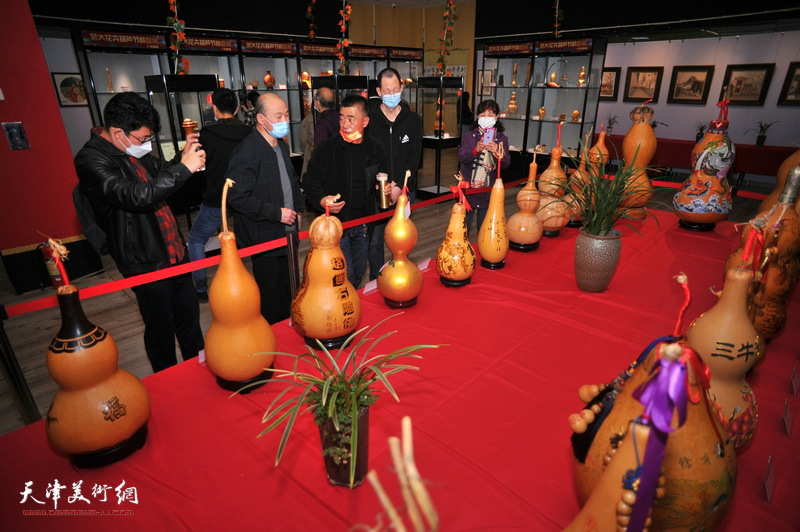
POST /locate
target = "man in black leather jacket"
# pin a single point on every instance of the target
(127, 188)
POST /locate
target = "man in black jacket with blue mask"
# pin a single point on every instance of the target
(399, 130)
(127, 189)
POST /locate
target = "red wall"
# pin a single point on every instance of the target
(36, 190)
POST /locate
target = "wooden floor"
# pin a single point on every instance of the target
(118, 312)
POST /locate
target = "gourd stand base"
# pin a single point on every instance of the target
(451, 282)
(250, 384)
(329, 343)
(574, 223)
(493, 265)
(400, 304)
(113, 454)
(551, 233)
(699, 227)
(523, 247)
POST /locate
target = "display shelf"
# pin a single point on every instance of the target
(440, 105)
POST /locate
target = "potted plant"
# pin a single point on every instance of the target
(597, 200)
(610, 121)
(700, 130)
(761, 130)
(338, 389)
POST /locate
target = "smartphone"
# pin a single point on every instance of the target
(488, 135)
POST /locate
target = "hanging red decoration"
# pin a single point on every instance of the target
(447, 37)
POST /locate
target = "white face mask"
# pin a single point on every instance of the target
(486, 121)
(138, 151)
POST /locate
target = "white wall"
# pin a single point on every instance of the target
(60, 56)
(778, 48)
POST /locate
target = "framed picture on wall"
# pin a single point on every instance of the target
(69, 89)
(642, 84)
(486, 83)
(609, 86)
(790, 93)
(690, 84)
(746, 84)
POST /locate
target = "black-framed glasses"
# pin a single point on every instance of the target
(146, 139)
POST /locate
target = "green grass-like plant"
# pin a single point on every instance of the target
(335, 388)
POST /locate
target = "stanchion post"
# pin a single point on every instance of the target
(292, 247)
(15, 378)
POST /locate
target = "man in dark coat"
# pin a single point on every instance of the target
(348, 164)
(266, 201)
(127, 189)
(218, 140)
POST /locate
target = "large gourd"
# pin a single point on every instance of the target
(638, 148)
(493, 237)
(99, 415)
(326, 307)
(240, 344)
(400, 281)
(780, 182)
(455, 258)
(524, 227)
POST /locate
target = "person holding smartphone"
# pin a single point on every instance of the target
(479, 154)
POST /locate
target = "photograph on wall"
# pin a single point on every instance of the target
(642, 84)
(690, 84)
(486, 83)
(16, 136)
(609, 86)
(746, 84)
(790, 93)
(69, 88)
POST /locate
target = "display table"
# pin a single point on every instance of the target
(489, 408)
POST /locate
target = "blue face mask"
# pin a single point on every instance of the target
(391, 100)
(279, 129)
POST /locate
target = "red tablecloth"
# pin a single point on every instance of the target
(489, 409)
(677, 153)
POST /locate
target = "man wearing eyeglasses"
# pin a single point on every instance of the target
(399, 129)
(127, 188)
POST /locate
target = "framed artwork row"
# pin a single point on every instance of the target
(743, 84)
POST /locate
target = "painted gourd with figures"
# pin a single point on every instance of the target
(705, 197)
(728, 343)
(493, 236)
(100, 413)
(326, 306)
(455, 258)
(699, 464)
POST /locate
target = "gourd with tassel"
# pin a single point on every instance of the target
(238, 334)
(100, 413)
(493, 236)
(400, 281)
(455, 258)
(326, 306)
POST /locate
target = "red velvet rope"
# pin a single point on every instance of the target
(19, 309)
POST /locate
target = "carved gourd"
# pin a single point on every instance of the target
(493, 236)
(326, 307)
(524, 227)
(238, 331)
(553, 214)
(100, 413)
(455, 258)
(698, 465)
(598, 154)
(726, 340)
(638, 148)
(400, 281)
(553, 180)
(780, 181)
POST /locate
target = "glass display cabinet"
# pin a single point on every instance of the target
(440, 106)
(566, 89)
(215, 56)
(115, 62)
(272, 66)
(409, 64)
(505, 78)
(178, 98)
